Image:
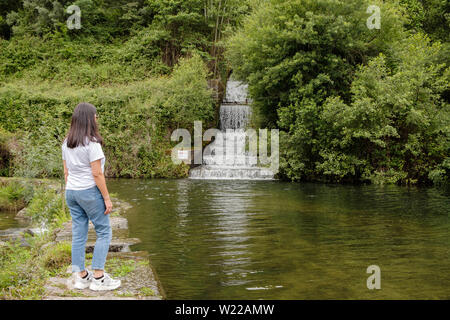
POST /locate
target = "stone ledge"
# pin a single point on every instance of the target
(116, 245)
(140, 283)
(119, 228)
(132, 288)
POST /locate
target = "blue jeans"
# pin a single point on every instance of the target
(88, 205)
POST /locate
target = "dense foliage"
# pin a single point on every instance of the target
(144, 36)
(135, 120)
(353, 103)
(429, 16)
(396, 126)
(144, 64)
(27, 262)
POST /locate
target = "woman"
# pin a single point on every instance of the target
(87, 197)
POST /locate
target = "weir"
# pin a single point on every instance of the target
(228, 158)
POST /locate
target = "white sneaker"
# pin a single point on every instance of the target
(104, 283)
(83, 283)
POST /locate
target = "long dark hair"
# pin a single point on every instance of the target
(83, 127)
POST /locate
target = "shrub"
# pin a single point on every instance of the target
(5, 152)
(21, 276)
(395, 127)
(56, 258)
(47, 207)
(146, 111)
(14, 195)
(353, 104)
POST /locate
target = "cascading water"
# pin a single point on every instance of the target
(228, 158)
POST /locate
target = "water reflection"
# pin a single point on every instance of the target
(8, 220)
(229, 231)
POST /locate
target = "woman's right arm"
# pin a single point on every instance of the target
(100, 181)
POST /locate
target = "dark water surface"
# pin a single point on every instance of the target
(8, 221)
(275, 240)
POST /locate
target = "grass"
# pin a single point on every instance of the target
(47, 206)
(24, 270)
(14, 195)
(120, 267)
(57, 258)
(60, 285)
(143, 292)
(144, 263)
(124, 294)
(117, 267)
(146, 292)
(72, 293)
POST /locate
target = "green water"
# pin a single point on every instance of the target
(274, 240)
(7, 220)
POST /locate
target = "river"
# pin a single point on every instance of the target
(276, 240)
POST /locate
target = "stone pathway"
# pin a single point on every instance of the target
(139, 281)
(138, 284)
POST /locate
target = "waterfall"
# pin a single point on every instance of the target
(228, 158)
(234, 116)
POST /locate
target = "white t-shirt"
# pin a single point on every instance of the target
(78, 162)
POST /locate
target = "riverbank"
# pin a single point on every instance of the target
(35, 261)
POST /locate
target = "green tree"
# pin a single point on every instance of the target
(193, 25)
(429, 16)
(295, 54)
(7, 6)
(396, 128)
(184, 97)
(105, 19)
